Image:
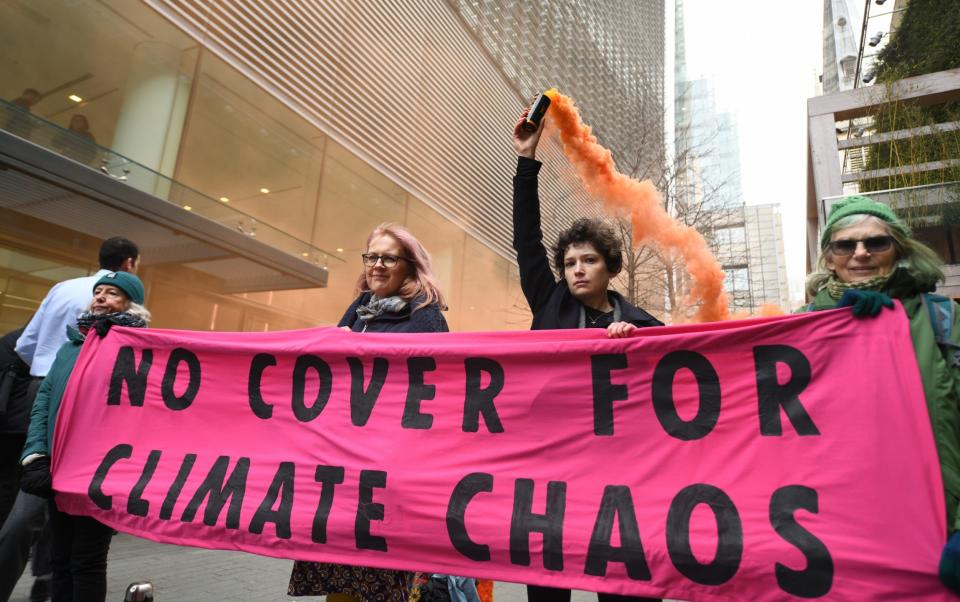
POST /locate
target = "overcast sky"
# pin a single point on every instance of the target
(764, 58)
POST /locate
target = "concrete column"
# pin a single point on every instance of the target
(152, 116)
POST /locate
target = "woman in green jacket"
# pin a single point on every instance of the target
(80, 543)
(867, 258)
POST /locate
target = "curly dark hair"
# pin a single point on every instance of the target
(598, 234)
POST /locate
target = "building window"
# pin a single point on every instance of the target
(737, 280)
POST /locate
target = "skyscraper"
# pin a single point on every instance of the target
(608, 56)
(708, 147)
(747, 240)
(839, 47)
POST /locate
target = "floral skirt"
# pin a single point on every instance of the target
(363, 583)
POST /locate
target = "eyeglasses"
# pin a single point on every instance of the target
(874, 244)
(370, 260)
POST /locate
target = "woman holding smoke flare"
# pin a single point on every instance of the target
(867, 258)
(398, 293)
(588, 256)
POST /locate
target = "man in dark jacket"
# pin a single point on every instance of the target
(17, 390)
(14, 418)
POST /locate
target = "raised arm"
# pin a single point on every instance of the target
(536, 279)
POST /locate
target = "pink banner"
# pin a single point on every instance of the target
(767, 459)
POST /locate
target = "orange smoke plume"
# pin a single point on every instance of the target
(642, 202)
(768, 310)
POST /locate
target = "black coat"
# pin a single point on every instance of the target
(15, 415)
(551, 302)
(425, 319)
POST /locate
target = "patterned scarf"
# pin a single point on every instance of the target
(377, 307)
(836, 287)
(120, 318)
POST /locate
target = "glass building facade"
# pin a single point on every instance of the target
(250, 147)
(609, 56)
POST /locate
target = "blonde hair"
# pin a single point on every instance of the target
(420, 282)
(140, 311)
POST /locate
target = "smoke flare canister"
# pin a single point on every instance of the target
(538, 109)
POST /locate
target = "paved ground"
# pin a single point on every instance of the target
(191, 574)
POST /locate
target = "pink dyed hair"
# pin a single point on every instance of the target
(421, 281)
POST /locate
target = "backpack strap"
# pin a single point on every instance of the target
(942, 312)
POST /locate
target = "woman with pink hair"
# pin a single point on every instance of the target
(398, 293)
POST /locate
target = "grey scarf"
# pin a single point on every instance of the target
(377, 307)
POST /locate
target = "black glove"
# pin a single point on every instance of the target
(36, 479)
(950, 563)
(864, 303)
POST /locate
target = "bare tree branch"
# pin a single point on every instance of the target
(651, 278)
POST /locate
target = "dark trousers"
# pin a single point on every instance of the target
(539, 593)
(79, 559)
(11, 444)
(25, 526)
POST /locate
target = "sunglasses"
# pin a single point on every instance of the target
(874, 244)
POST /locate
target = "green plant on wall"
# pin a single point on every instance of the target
(926, 41)
(951, 209)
